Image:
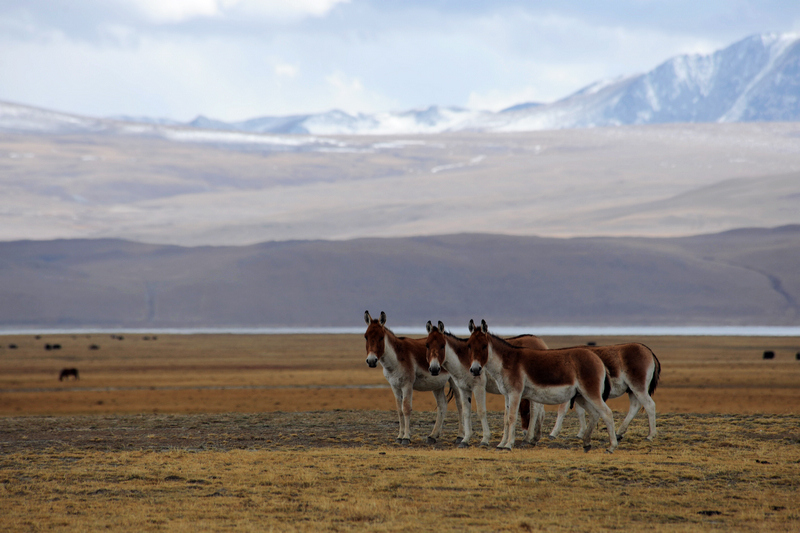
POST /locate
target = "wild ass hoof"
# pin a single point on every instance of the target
(463, 444)
(587, 448)
(405, 442)
(484, 444)
(503, 448)
(430, 440)
(619, 438)
(459, 439)
(399, 440)
(609, 450)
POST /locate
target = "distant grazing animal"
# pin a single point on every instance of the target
(769, 354)
(448, 352)
(406, 370)
(546, 376)
(632, 368)
(797, 355)
(14, 347)
(67, 372)
(94, 347)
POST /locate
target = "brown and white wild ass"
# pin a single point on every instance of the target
(632, 368)
(406, 370)
(448, 352)
(545, 376)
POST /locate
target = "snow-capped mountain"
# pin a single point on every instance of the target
(755, 79)
(18, 118)
(433, 119)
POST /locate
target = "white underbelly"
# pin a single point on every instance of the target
(430, 382)
(554, 395)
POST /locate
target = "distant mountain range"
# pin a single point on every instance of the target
(755, 79)
(741, 277)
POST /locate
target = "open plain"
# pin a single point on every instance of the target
(295, 432)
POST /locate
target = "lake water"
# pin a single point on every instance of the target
(755, 331)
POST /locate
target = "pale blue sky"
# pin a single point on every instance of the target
(238, 59)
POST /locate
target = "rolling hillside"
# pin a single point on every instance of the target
(741, 277)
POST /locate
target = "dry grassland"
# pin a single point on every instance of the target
(290, 433)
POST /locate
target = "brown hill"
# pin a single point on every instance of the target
(749, 276)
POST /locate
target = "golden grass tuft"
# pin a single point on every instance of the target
(660, 486)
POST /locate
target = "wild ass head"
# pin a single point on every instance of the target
(375, 338)
(478, 346)
(435, 347)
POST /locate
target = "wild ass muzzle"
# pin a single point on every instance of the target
(406, 370)
(551, 377)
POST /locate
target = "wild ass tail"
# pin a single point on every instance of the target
(656, 373)
(606, 387)
(450, 393)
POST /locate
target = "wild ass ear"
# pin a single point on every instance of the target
(441, 327)
(429, 326)
(484, 327)
(471, 325)
(383, 318)
(367, 318)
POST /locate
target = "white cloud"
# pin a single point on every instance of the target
(349, 94)
(284, 70)
(344, 84)
(165, 11)
(234, 59)
(172, 11)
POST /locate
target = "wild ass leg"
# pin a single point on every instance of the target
(581, 419)
(458, 395)
(441, 409)
(594, 416)
(633, 410)
(598, 410)
(407, 392)
(562, 411)
(480, 399)
(398, 399)
(503, 441)
(465, 410)
(537, 423)
(512, 408)
(650, 408)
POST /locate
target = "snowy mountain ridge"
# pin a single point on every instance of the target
(755, 79)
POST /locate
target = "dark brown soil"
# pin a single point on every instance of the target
(348, 429)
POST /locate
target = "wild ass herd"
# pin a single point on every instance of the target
(523, 370)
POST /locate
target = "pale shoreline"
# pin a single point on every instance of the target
(679, 331)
